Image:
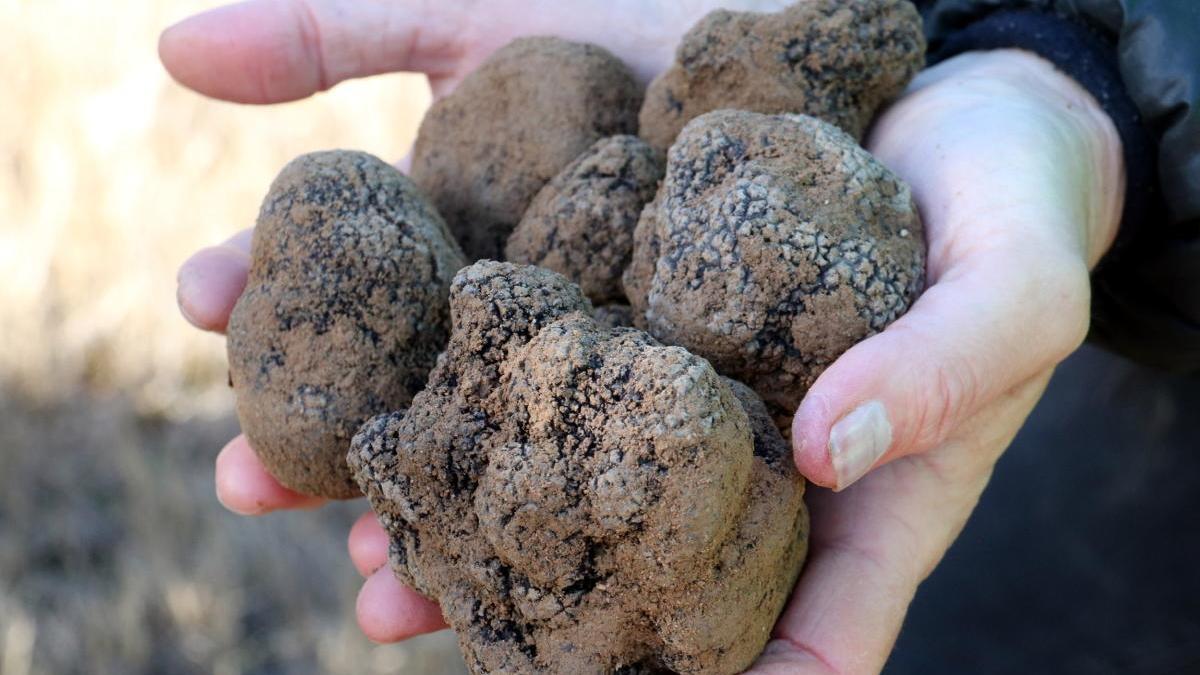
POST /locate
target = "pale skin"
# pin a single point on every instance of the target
(1018, 176)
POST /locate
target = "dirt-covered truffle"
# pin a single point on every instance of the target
(582, 499)
(484, 151)
(837, 60)
(774, 244)
(581, 223)
(344, 313)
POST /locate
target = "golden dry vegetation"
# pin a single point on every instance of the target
(114, 554)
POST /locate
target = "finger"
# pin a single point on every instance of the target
(269, 51)
(389, 611)
(210, 282)
(991, 322)
(873, 544)
(368, 544)
(405, 163)
(245, 487)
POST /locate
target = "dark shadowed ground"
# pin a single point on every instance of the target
(115, 557)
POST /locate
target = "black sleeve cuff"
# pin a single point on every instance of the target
(1091, 60)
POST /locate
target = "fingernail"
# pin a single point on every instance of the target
(858, 440)
(184, 292)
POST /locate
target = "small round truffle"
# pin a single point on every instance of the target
(484, 151)
(581, 499)
(345, 310)
(837, 60)
(581, 223)
(775, 243)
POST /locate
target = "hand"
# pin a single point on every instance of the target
(1018, 176)
(270, 51)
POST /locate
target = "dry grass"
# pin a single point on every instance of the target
(111, 174)
(114, 556)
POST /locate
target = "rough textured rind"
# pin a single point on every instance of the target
(774, 244)
(582, 499)
(483, 152)
(837, 60)
(581, 223)
(345, 310)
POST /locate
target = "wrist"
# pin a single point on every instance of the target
(1034, 132)
(1089, 154)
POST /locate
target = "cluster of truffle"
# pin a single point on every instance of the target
(577, 452)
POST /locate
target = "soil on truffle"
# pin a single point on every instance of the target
(484, 151)
(774, 244)
(581, 499)
(581, 223)
(345, 310)
(837, 60)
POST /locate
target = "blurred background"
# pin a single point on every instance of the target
(115, 556)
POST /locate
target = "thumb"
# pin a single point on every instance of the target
(872, 546)
(992, 321)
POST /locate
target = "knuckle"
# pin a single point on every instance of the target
(954, 391)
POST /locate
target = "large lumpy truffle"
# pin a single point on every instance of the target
(774, 244)
(581, 499)
(581, 224)
(837, 60)
(483, 152)
(345, 310)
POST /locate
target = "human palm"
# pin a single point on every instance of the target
(1017, 175)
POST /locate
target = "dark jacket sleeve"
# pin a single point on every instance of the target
(1141, 60)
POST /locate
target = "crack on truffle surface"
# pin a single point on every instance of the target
(837, 60)
(345, 309)
(484, 151)
(581, 223)
(614, 316)
(580, 498)
(774, 244)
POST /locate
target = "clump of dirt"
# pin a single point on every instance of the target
(581, 223)
(484, 151)
(584, 499)
(837, 60)
(774, 244)
(344, 313)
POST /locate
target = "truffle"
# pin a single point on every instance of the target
(485, 150)
(344, 312)
(774, 244)
(582, 499)
(581, 223)
(837, 60)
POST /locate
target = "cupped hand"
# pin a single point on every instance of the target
(1018, 176)
(1017, 173)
